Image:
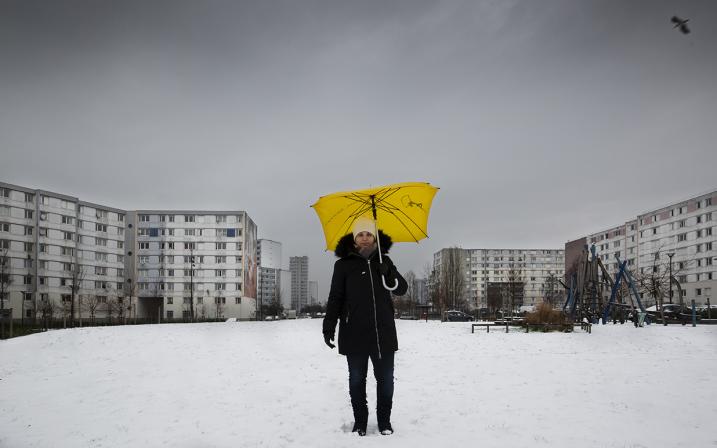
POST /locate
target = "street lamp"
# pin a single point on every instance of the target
(670, 255)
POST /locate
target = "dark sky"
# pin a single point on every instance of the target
(540, 121)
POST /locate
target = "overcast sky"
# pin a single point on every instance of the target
(540, 121)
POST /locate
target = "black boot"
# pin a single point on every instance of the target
(360, 429)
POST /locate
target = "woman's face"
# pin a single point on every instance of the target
(364, 240)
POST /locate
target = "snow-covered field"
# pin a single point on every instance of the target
(275, 384)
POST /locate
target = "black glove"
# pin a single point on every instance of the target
(385, 269)
(328, 338)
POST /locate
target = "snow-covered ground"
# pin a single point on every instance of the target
(275, 384)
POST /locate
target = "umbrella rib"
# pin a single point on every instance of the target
(387, 210)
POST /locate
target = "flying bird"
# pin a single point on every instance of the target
(681, 24)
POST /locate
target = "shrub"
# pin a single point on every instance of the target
(545, 314)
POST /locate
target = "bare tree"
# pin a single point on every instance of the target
(5, 277)
(129, 289)
(90, 304)
(48, 308)
(219, 307)
(77, 276)
(551, 290)
(655, 280)
(451, 279)
(515, 286)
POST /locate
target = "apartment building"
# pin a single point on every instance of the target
(122, 264)
(56, 245)
(299, 267)
(191, 263)
(682, 233)
(534, 271)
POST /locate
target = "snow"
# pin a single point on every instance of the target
(275, 384)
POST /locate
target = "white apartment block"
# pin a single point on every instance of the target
(685, 229)
(50, 241)
(483, 268)
(269, 259)
(132, 264)
(195, 261)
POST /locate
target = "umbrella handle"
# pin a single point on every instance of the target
(395, 285)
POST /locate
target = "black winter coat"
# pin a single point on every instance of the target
(359, 301)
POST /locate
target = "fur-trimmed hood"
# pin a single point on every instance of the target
(346, 246)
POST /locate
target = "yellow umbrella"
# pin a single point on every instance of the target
(399, 210)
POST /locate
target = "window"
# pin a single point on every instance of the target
(170, 300)
(708, 216)
(28, 214)
(28, 247)
(219, 300)
(708, 231)
(143, 259)
(708, 202)
(189, 232)
(27, 279)
(187, 286)
(239, 246)
(170, 246)
(143, 246)
(162, 218)
(101, 241)
(220, 259)
(27, 295)
(169, 286)
(221, 219)
(27, 263)
(708, 246)
(170, 272)
(171, 218)
(220, 286)
(237, 300)
(4, 193)
(66, 219)
(170, 314)
(188, 218)
(190, 246)
(222, 232)
(143, 218)
(100, 270)
(221, 246)
(4, 227)
(190, 272)
(654, 230)
(220, 273)
(682, 237)
(708, 261)
(187, 300)
(698, 291)
(200, 300)
(120, 217)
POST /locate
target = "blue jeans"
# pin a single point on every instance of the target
(383, 372)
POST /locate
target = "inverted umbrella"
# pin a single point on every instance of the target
(399, 210)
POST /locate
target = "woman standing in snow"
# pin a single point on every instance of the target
(364, 310)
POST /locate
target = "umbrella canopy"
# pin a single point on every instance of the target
(400, 211)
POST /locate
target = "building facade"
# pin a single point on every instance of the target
(299, 267)
(483, 270)
(682, 233)
(65, 256)
(193, 264)
(269, 259)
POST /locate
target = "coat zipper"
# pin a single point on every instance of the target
(375, 319)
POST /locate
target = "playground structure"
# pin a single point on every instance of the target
(586, 293)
